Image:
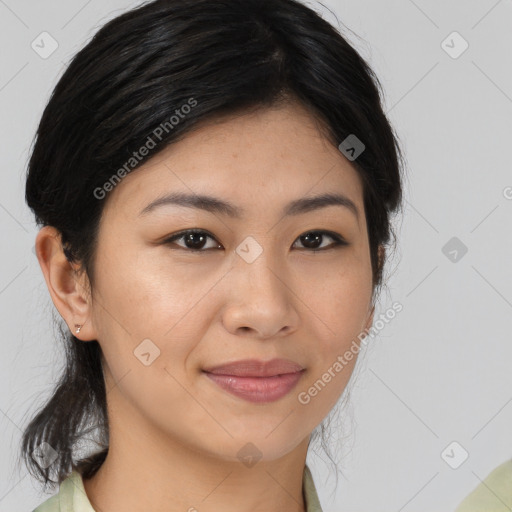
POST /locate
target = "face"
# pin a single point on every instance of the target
(254, 282)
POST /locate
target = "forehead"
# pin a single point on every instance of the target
(259, 161)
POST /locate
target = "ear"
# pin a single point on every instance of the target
(70, 292)
(369, 321)
(381, 255)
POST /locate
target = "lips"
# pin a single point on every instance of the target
(256, 368)
(257, 381)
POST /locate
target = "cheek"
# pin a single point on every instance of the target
(338, 308)
(339, 302)
(146, 312)
(150, 294)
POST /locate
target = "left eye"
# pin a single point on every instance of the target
(313, 237)
(194, 240)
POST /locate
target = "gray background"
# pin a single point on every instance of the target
(440, 371)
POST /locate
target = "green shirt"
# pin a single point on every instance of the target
(72, 497)
(494, 494)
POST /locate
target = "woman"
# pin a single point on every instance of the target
(214, 182)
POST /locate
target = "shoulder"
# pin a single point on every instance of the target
(50, 505)
(494, 494)
(309, 492)
(70, 498)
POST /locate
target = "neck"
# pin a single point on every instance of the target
(154, 472)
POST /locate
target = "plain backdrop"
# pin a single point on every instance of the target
(435, 385)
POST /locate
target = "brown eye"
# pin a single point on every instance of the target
(314, 239)
(193, 240)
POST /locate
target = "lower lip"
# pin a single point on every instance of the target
(258, 389)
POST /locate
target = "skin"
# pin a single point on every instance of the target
(174, 434)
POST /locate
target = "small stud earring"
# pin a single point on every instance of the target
(78, 327)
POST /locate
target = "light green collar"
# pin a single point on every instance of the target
(73, 498)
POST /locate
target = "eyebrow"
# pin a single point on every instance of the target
(216, 205)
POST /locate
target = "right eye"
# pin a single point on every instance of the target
(193, 239)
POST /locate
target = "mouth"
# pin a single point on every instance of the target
(257, 381)
(256, 368)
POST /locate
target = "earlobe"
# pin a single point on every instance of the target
(381, 252)
(369, 321)
(66, 287)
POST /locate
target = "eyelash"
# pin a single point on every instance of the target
(338, 240)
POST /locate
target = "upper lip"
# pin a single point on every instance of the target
(256, 368)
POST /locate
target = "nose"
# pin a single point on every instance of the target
(260, 300)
